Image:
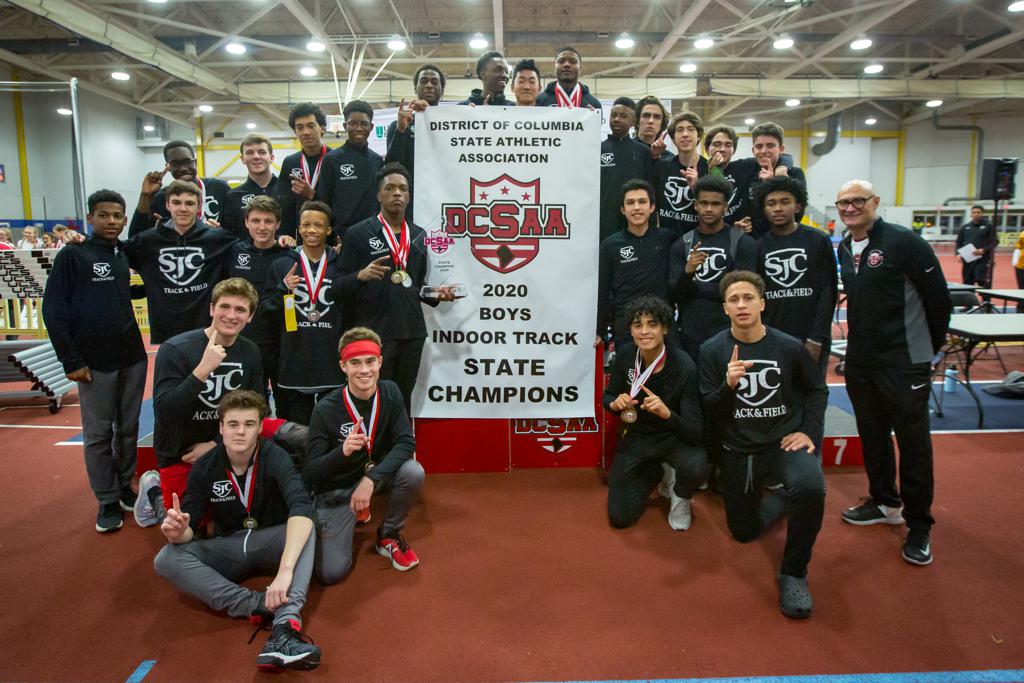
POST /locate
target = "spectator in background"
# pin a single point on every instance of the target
(1018, 265)
(30, 240)
(982, 236)
(48, 241)
(6, 239)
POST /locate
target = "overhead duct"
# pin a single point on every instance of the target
(835, 127)
(980, 154)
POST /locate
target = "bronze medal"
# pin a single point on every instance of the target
(629, 415)
(249, 523)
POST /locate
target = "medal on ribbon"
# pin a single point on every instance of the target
(245, 495)
(571, 100)
(357, 421)
(399, 250)
(630, 415)
(313, 286)
(311, 180)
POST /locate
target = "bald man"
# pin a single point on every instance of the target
(898, 310)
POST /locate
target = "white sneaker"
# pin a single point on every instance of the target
(680, 516)
(145, 514)
(668, 482)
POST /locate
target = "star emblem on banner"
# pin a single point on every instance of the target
(483, 196)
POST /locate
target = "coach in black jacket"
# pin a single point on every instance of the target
(898, 310)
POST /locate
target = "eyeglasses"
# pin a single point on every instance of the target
(856, 202)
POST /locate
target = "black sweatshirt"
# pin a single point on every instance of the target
(215, 199)
(782, 393)
(547, 98)
(184, 408)
(392, 311)
(309, 356)
(233, 217)
(629, 267)
(700, 305)
(981, 235)
(666, 154)
(402, 149)
(179, 272)
(251, 263)
(897, 303)
(278, 492)
(675, 384)
(87, 308)
(291, 203)
(675, 200)
(476, 96)
(347, 186)
(326, 468)
(801, 283)
(752, 181)
(622, 159)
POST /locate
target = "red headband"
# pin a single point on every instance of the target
(363, 347)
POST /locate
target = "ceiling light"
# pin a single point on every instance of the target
(870, 121)
(794, 102)
(861, 43)
(251, 125)
(308, 70)
(1015, 7)
(149, 128)
(315, 46)
(64, 111)
(783, 43)
(749, 121)
(478, 42)
(874, 69)
(158, 2)
(235, 48)
(395, 44)
(120, 76)
(624, 42)
(933, 103)
(205, 108)
(703, 43)
(688, 67)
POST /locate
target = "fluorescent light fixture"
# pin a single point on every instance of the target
(870, 121)
(308, 70)
(861, 43)
(205, 108)
(783, 43)
(315, 46)
(749, 121)
(703, 43)
(794, 102)
(874, 69)
(688, 67)
(395, 44)
(158, 2)
(64, 111)
(120, 76)
(478, 42)
(1015, 7)
(251, 125)
(624, 42)
(235, 48)
(933, 103)
(149, 128)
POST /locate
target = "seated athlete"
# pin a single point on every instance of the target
(654, 389)
(767, 399)
(262, 518)
(361, 442)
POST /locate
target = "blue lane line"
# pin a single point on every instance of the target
(142, 671)
(994, 676)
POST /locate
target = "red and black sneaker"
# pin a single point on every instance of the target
(288, 648)
(393, 546)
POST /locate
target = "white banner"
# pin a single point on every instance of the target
(509, 200)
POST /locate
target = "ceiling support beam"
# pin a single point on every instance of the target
(678, 30)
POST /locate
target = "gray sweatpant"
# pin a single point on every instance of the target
(110, 406)
(210, 570)
(335, 521)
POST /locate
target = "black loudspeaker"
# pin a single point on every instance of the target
(997, 179)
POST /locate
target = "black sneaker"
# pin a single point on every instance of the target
(109, 517)
(288, 649)
(128, 498)
(917, 549)
(870, 512)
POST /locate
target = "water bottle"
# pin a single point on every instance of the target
(949, 384)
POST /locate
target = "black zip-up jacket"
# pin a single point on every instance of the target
(981, 235)
(233, 217)
(629, 267)
(747, 174)
(622, 159)
(347, 186)
(546, 98)
(742, 173)
(675, 198)
(278, 493)
(402, 149)
(897, 302)
(326, 468)
(247, 261)
(291, 203)
(87, 308)
(801, 283)
(216, 197)
(476, 96)
(179, 272)
(676, 385)
(664, 155)
(782, 393)
(185, 409)
(392, 311)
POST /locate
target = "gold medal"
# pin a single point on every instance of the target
(629, 415)
(399, 276)
(249, 523)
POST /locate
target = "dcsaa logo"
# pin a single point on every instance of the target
(760, 383)
(222, 489)
(101, 269)
(439, 242)
(627, 253)
(227, 377)
(714, 265)
(181, 265)
(786, 266)
(677, 193)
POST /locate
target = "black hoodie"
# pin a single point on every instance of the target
(476, 96)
